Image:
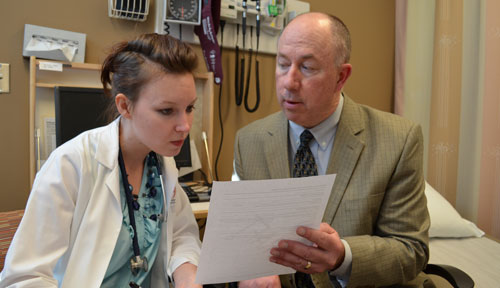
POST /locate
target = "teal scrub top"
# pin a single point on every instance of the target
(148, 225)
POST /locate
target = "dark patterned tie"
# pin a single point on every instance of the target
(304, 166)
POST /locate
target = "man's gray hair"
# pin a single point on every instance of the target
(341, 40)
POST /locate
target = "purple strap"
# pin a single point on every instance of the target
(207, 33)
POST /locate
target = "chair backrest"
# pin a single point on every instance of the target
(8, 226)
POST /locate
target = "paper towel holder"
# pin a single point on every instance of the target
(136, 10)
(64, 37)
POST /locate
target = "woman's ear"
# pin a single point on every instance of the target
(123, 105)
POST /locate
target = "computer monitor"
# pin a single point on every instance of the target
(78, 109)
(183, 159)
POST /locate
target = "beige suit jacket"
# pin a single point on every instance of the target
(377, 203)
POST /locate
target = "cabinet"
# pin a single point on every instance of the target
(41, 106)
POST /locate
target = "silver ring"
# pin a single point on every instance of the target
(308, 265)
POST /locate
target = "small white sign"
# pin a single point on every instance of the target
(51, 66)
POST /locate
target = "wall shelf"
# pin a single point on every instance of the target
(53, 85)
(41, 104)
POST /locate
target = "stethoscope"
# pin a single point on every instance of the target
(240, 70)
(138, 262)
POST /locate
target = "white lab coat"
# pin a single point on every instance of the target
(73, 218)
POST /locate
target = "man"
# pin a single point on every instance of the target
(375, 230)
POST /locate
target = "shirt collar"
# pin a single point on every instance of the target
(323, 131)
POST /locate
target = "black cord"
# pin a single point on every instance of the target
(128, 195)
(237, 92)
(166, 27)
(257, 87)
(249, 66)
(257, 74)
(242, 60)
(242, 79)
(222, 24)
(205, 179)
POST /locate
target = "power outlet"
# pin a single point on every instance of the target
(4, 78)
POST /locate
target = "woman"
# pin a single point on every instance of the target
(104, 211)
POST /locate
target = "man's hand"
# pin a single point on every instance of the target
(264, 282)
(327, 252)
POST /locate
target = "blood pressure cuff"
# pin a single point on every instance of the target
(207, 33)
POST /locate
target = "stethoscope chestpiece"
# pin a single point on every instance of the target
(133, 285)
(137, 263)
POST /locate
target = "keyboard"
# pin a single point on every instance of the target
(192, 195)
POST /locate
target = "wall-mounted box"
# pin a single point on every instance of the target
(4, 78)
(54, 44)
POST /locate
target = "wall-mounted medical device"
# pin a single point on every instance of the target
(274, 14)
(182, 11)
(136, 10)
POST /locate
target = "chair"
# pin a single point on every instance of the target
(456, 277)
(8, 226)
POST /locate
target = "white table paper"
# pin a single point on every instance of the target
(247, 218)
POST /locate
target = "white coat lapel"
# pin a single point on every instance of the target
(107, 155)
(170, 175)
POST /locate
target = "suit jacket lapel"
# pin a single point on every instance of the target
(276, 147)
(347, 148)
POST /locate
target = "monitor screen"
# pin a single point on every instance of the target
(78, 109)
(183, 159)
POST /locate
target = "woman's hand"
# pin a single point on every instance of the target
(263, 282)
(185, 275)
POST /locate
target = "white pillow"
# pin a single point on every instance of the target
(445, 220)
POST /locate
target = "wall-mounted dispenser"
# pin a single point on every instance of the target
(54, 44)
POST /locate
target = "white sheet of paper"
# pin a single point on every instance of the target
(247, 218)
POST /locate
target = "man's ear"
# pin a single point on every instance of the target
(344, 73)
(123, 105)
